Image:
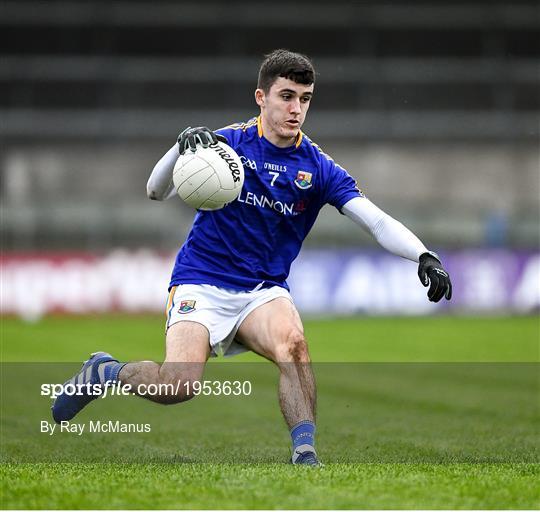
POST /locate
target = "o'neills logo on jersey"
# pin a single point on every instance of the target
(233, 166)
(275, 167)
(262, 201)
(303, 180)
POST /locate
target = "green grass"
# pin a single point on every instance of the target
(459, 430)
(339, 486)
(484, 339)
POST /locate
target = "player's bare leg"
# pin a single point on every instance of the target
(274, 330)
(187, 350)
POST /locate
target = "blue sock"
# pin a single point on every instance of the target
(108, 371)
(303, 433)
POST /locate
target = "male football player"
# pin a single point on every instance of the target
(228, 290)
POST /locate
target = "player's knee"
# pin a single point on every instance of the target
(293, 348)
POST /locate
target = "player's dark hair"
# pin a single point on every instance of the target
(290, 65)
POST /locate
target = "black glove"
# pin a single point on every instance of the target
(430, 270)
(202, 135)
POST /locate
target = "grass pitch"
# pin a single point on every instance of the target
(441, 435)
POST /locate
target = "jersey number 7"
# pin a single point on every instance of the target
(275, 177)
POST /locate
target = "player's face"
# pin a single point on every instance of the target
(283, 110)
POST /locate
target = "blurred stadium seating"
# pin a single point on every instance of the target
(417, 99)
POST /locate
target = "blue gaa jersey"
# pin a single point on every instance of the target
(252, 241)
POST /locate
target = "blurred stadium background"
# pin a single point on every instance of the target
(433, 106)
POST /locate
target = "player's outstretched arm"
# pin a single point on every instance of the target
(399, 240)
(389, 232)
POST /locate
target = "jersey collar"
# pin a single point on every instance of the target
(299, 137)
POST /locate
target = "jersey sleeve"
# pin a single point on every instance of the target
(339, 186)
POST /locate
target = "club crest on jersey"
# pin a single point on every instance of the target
(186, 306)
(303, 180)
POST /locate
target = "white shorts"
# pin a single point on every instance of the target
(220, 310)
